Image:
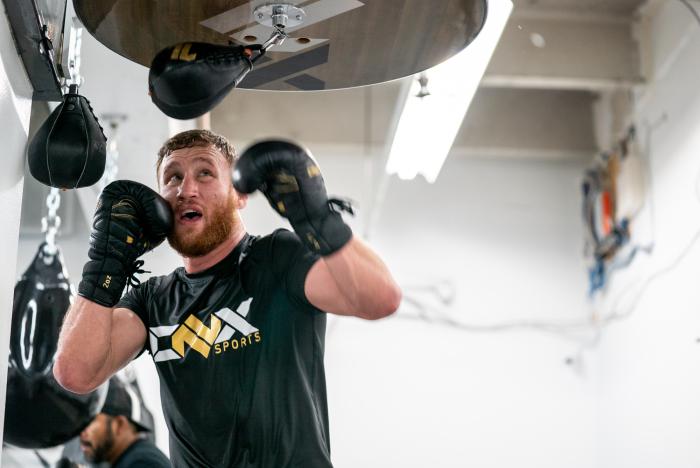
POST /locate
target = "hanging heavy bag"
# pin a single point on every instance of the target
(39, 412)
(69, 149)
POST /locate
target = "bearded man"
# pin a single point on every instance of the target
(237, 333)
(117, 436)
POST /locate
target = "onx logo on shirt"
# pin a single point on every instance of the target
(223, 325)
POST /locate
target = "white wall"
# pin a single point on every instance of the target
(647, 366)
(413, 394)
(15, 105)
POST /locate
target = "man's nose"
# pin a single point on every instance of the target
(188, 187)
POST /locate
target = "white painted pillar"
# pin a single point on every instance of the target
(15, 107)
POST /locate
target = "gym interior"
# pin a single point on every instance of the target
(547, 260)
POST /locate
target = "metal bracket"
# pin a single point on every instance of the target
(278, 16)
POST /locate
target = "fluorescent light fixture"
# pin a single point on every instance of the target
(428, 125)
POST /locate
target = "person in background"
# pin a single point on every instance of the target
(115, 435)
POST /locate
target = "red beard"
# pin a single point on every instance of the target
(216, 231)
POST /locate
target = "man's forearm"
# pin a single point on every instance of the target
(83, 346)
(130, 219)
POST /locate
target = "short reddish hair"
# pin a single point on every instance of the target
(193, 138)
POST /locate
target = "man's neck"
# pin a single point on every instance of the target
(197, 264)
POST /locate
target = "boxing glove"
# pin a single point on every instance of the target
(130, 219)
(293, 185)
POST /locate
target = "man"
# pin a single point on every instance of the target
(237, 335)
(115, 436)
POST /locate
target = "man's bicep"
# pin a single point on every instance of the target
(322, 291)
(128, 337)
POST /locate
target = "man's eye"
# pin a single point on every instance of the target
(173, 179)
(205, 172)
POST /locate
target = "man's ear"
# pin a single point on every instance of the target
(241, 199)
(123, 423)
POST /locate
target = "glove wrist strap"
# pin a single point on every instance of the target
(324, 236)
(103, 282)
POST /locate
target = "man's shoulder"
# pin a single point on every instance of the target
(279, 238)
(276, 234)
(265, 255)
(143, 453)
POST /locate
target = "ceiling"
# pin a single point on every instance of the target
(554, 63)
(602, 7)
(554, 60)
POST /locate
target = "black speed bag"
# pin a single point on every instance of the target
(189, 79)
(69, 149)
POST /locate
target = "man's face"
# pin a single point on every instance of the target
(97, 439)
(197, 183)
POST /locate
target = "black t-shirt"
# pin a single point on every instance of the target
(142, 454)
(239, 353)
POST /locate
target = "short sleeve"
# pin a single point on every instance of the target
(291, 262)
(136, 299)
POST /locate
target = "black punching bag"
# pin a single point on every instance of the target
(39, 412)
(69, 150)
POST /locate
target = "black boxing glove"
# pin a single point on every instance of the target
(130, 219)
(292, 183)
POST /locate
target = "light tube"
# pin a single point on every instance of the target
(428, 125)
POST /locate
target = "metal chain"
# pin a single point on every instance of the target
(51, 223)
(74, 44)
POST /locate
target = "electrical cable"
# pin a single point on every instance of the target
(563, 328)
(551, 327)
(615, 315)
(445, 297)
(645, 284)
(560, 328)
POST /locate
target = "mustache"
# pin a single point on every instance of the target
(87, 443)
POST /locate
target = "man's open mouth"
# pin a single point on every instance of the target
(190, 215)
